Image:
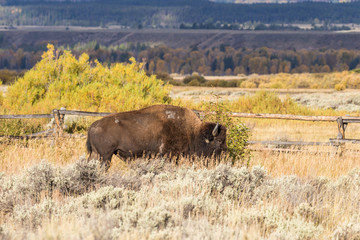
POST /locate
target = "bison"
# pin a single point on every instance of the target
(159, 129)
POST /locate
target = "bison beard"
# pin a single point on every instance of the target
(159, 129)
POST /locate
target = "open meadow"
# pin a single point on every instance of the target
(48, 190)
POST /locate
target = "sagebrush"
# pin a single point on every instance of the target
(152, 199)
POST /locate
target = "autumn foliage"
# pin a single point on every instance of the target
(62, 80)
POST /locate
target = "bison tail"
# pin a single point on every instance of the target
(88, 145)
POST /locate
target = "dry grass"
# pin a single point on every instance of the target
(305, 161)
(291, 130)
(297, 193)
(20, 154)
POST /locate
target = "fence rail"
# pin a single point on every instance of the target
(83, 113)
(26, 116)
(285, 117)
(346, 119)
(59, 115)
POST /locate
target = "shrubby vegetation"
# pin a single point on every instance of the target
(262, 102)
(61, 80)
(237, 134)
(268, 102)
(336, 80)
(196, 80)
(154, 199)
(18, 127)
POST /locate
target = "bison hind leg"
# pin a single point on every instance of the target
(94, 155)
(105, 161)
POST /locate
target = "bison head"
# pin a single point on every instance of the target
(212, 139)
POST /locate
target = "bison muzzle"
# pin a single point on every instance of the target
(159, 129)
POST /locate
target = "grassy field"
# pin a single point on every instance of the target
(48, 191)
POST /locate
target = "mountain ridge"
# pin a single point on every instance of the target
(182, 38)
(174, 14)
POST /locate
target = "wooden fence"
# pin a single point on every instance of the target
(59, 115)
(342, 122)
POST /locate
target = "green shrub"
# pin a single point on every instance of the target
(220, 83)
(165, 77)
(194, 82)
(198, 78)
(237, 133)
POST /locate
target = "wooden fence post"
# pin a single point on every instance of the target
(62, 117)
(58, 122)
(341, 127)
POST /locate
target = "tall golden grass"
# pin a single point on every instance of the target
(335, 80)
(16, 155)
(330, 161)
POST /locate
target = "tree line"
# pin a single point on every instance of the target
(226, 60)
(222, 60)
(170, 14)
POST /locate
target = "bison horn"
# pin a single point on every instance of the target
(215, 132)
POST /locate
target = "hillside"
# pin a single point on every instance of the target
(172, 13)
(277, 1)
(180, 38)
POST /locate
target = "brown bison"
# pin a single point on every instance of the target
(159, 129)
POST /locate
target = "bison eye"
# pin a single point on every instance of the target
(207, 140)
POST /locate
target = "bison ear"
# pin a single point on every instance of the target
(215, 132)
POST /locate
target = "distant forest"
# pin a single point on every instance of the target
(222, 60)
(172, 13)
